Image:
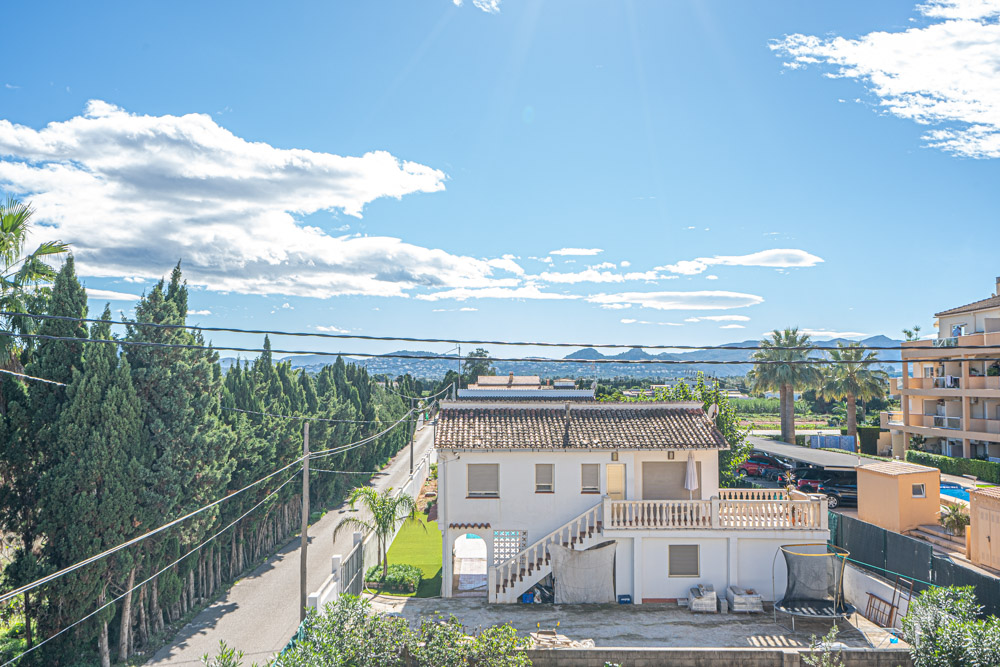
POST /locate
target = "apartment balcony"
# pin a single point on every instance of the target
(936, 421)
(890, 419)
(985, 426)
(732, 509)
(982, 382)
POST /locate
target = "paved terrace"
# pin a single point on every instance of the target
(646, 625)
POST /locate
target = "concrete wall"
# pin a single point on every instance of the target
(887, 500)
(858, 584)
(708, 657)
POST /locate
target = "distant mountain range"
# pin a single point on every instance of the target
(401, 362)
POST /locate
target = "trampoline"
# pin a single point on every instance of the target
(815, 586)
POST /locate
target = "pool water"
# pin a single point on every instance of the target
(955, 492)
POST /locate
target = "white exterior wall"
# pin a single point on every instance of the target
(520, 508)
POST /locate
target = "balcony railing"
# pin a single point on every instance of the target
(762, 509)
(938, 421)
(890, 418)
(948, 382)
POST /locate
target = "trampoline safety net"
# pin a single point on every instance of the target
(815, 581)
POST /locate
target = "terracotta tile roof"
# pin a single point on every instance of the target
(466, 526)
(991, 302)
(535, 425)
(897, 468)
(495, 381)
(988, 492)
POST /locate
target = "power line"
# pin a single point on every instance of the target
(359, 443)
(154, 576)
(450, 341)
(76, 566)
(31, 377)
(541, 360)
(347, 472)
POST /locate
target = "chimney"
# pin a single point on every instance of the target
(998, 286)
(510, 379)
(566, 428)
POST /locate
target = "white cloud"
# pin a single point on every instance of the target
(332, 329)
(616, 306)
(163, 188)
(199, 312)
(287, 306)
(586, 276)
(625, 263)
(576, 251)
(488, 6)
(711, 277)
(455, 310)
(777, 257)
(507, 263)
(523, 292)
(700, 300)
(732, 326)
(108, 295)
(942, 74)
(603, 265)
(719, 318)
(659, 324)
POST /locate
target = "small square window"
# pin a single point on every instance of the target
(484, 480)
(919, 491)
(544, 478)
(590, 474)
(683, 560)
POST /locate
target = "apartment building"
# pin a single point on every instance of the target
(949, 393)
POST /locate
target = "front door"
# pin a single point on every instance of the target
(616, 481)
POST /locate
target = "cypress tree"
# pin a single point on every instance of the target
(91, 491)
(32, 418)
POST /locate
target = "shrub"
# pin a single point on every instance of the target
(943, 631)
(984, 470)
(954, 518)
(400, 577)
(350, 632)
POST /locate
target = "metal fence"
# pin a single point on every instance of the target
(352, 570)
(890, 554)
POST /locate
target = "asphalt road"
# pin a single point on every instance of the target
(260, 613)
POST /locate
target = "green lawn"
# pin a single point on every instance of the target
(419, 543)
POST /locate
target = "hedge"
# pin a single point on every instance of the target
(984, 470)
(867, 438)
(399, 577)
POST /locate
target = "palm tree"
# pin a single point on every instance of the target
(24, 279)
(783, 369)
(386, 512)
(853, 377)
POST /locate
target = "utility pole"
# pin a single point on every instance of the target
(303, 561)
(413, 433)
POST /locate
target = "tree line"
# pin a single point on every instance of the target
(141, 435)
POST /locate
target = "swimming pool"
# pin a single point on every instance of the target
(955, 492)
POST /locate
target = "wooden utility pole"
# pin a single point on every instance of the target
(413, 434)
(303, 555)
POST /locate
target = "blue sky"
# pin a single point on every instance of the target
(409, 167)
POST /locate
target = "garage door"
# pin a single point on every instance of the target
(664, 480)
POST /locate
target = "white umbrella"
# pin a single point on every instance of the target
(691, 477)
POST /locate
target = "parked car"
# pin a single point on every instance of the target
(797, 472)
(760, 465)
(840, 489)
(808, 480)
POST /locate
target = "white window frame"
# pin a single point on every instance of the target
(590, 489)
(921, 494)
(540, 487)
(697, 548)
(480, 494)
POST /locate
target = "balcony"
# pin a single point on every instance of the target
(890, 419)
(985, 425)
(732, 509)
(941, 421)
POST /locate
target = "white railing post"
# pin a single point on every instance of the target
(715, 520)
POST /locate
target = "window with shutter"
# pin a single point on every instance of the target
(544, 478)
(590, 474)
(683, 560)
(484, 479)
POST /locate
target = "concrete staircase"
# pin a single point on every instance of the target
(508, 580)
(937, 536)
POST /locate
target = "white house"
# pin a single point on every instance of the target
(527, 476)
